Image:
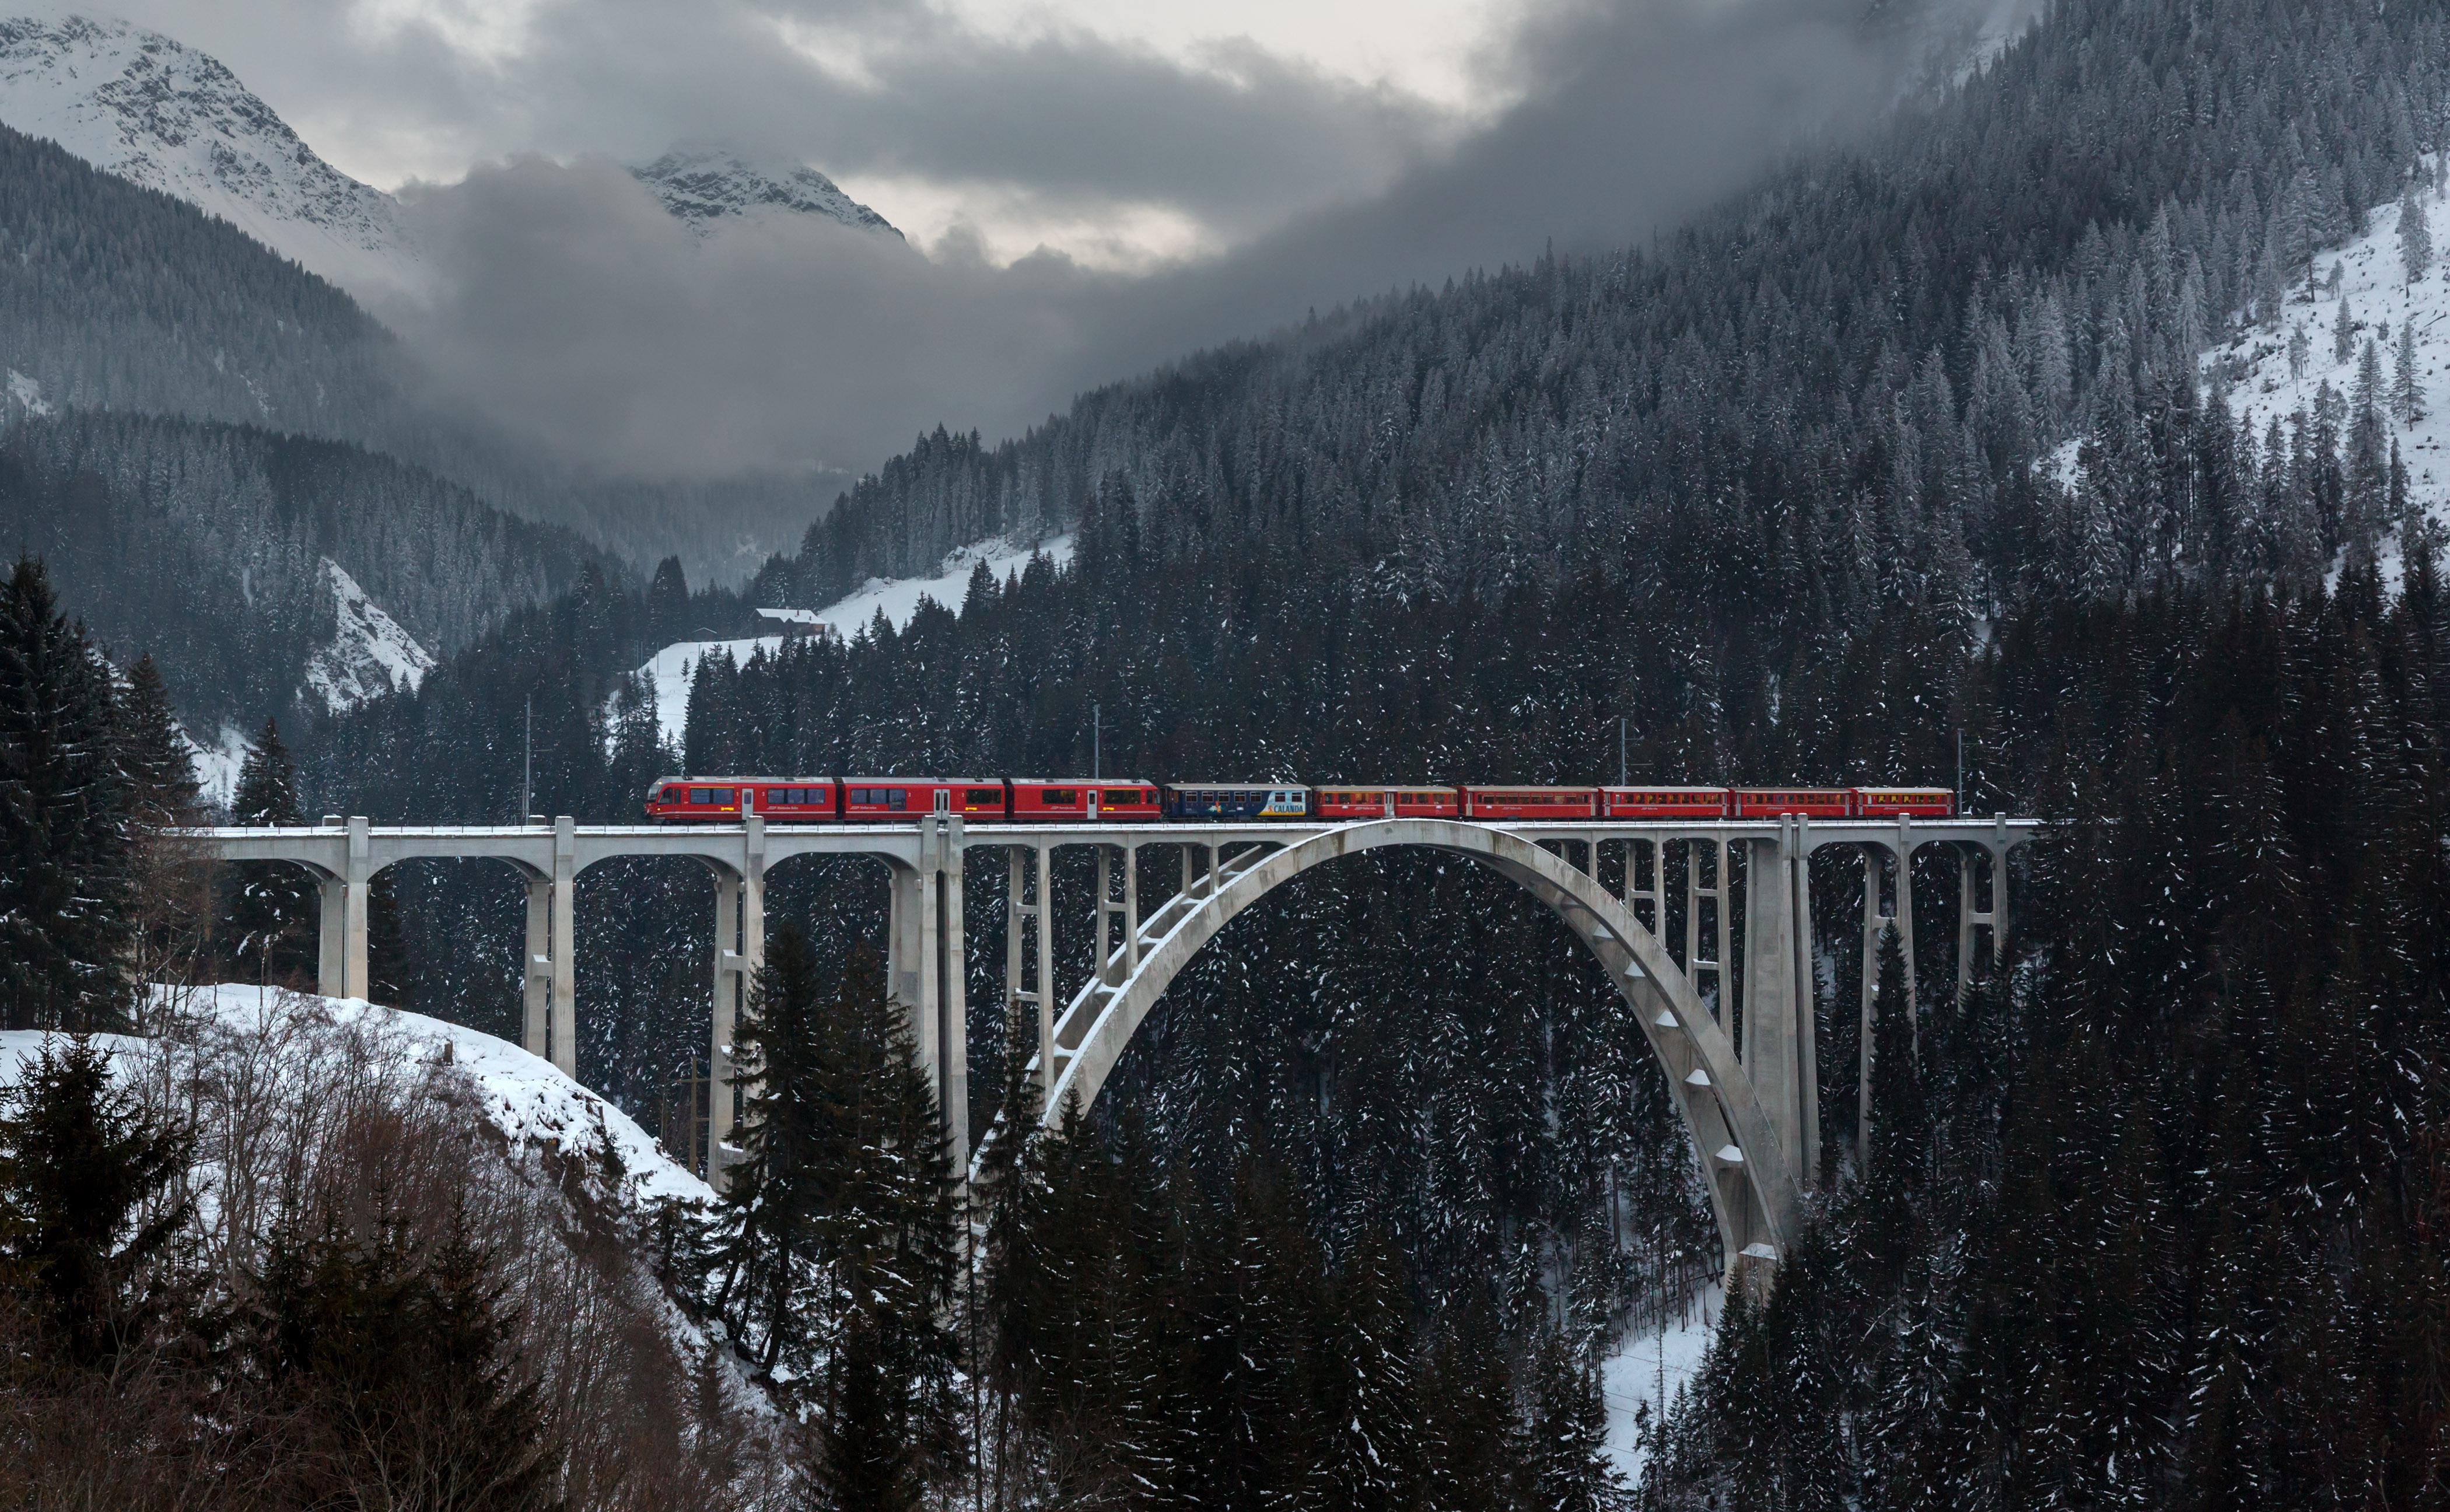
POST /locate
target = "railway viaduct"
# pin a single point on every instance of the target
(1734, 1036)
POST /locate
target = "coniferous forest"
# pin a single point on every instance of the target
(1907, 452)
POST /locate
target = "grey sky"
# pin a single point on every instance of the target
(1191, 174)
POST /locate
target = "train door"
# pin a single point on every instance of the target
(944, 799)
(1090, 811)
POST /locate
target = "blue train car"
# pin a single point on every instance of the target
(1237, 800)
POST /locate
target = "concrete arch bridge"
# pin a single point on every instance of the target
(1734, 1036)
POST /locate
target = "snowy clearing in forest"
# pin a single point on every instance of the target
(667, 672)
(1641, 1380)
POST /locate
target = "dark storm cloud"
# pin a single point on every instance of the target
(574, 308)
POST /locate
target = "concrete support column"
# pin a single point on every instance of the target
(536, 968)
(1046, 969)
(564, 990)
(753, 929)
(1807, 999)
(1772, 1055)
(1105, 913)
(1131, 909)
(353, 909)
(953, 998)
(929, 971)
(1016, 915)
(722, 1094)
(331, 896)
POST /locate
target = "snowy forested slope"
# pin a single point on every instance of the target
(2369, 324)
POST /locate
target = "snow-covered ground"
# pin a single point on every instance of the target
(668, 671)
(368, 655)
(2375, 293)
(23, 393)
(217, 765)
(1641, 1379)
(533, 1106)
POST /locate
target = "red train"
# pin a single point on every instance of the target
(1031, 799)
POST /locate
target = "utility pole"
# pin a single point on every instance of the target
(1097, 738)
(527, 766)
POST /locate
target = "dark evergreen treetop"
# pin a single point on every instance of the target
(64, 832)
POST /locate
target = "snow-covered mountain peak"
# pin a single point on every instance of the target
(705, 186)
(153, 110)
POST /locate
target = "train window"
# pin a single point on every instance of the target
(901, 798)
(701, 795)
(985, 795)
(1058, 798)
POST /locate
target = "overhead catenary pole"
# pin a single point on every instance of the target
(1620, 778)
(1097, 736)
(527, 764)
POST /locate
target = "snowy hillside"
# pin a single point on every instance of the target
(897, 599)
(708, 187)
(151, 110)
(368, 654)
(2380, 306)
(531, 1105)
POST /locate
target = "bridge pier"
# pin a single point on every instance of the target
(1971, 919)
(1776, 1047)
(739, 955)
(341, 953)
(926, 970)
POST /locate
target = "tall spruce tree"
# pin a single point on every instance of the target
(388, 1360)
(1899, 1139)
(170, 886)
(270, 919)
(834, 1253)
(153, 755)
(64, 826)
(88, 1203)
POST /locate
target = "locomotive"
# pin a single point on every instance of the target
(1031, 799)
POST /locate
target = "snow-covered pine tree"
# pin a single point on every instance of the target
(2404, 396)
(1897, 1157)
(269, 921)
(2415, 234)
(171, 889)
(1373, 1450)
(2344, 334)
(153, 754)
(64, 894)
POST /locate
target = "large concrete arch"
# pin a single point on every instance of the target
(1753, 1181)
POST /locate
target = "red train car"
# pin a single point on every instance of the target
(887, 799)
(1889, 803)
(702, 799)
(1662, 803)
(1047, 801)
(1530, 803)
(1813, 802)
(795, 800)
(1348, 802)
